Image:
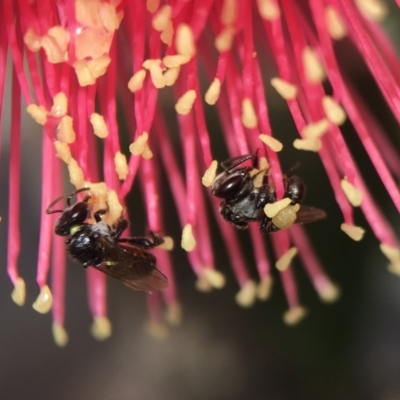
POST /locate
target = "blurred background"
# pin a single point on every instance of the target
(347, 350)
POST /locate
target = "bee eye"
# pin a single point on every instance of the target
(227, 186)
(79, 212)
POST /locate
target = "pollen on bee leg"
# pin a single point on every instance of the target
(157, 330)
(174, 314)
(114, 207)
(44, 301)
(354, 232)
(286, 259)
(137, 147)
(38, 113)
(393, 255)
(333, 110)
(336, 27)
(313, 69)
(213, 92)
(18, 294)
(99, 125)
(60, 105)
(249, 117)
(171, 75)
(65, 130)
(224, 40)
(185, 103)
(353, 195)
(184, 40)
(264, 288)
(62, 151)
(286, 217)
(246, 296)
(136, 82)
(121, 166)
(188, 241)
(287, 90)
(209, 175)
(375, 10)
(101, 328)
(268, 9)
(60, 335)
(315, 129)
(168, 244)
(161, 19)
(309, 144)
(147, 153)
(271, 142)
(294, 315)
(75, 174)
(272, 209)
(216, 278)
(327, 291)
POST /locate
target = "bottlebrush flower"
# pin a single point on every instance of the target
(76, 63)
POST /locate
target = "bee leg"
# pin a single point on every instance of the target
(267, 226)
(97, 215)
(121, 225)
(84, 189)
(144, 242)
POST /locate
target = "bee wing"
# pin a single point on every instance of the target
(308, 214)
(133, 266)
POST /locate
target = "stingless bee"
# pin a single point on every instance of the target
(100, 246)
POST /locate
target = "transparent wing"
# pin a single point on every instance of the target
(308, 214)
(133, 266)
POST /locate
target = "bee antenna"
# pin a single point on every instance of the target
(49, 211)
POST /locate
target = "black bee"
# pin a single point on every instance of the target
(100, 246)
(244, 203)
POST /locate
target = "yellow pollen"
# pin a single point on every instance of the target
(63, 151)
(229, 12)
(162, 18)
(75, 174)
(18, 294)
(168, 244)
(121, 166)
(44, 301)
(294, 315)
(264, 288)
(249, 117)
(114, 207)
(203, 284)
(272, 143)
(136, 82)
(246, 296)
(156, 330)
(55, 44)
(268, 9)
(258, 181)
(138, 146)
(32, 40)
(188, 241)
(185, 103)
(285, 260)
(354, 232)
(272, 209)
(287, 90)
(354, 196)
(87, 13)
(334, 111)
(60, 335)
(101, 328)
(313, 68)
(109, 17)
(98, 66)
(171, 75)
(65, 130)
(38, 113)
(147, 153)
(286, 217)
(60, 105)
(336, 27)
(209, 175)
(167, 34)
(328, 292)
(214, 277)
(184, 41)
(263, 163)
(392, 253)
(147, 64)
(99, 125)
(213, 92)
(83, 74)
(309, 144)
(375, 10)
(224, 40)
(174, 314)
(315, 130)
(152, 5)
(157, 76)
(175, 61)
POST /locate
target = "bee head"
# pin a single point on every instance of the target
(72, 216)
